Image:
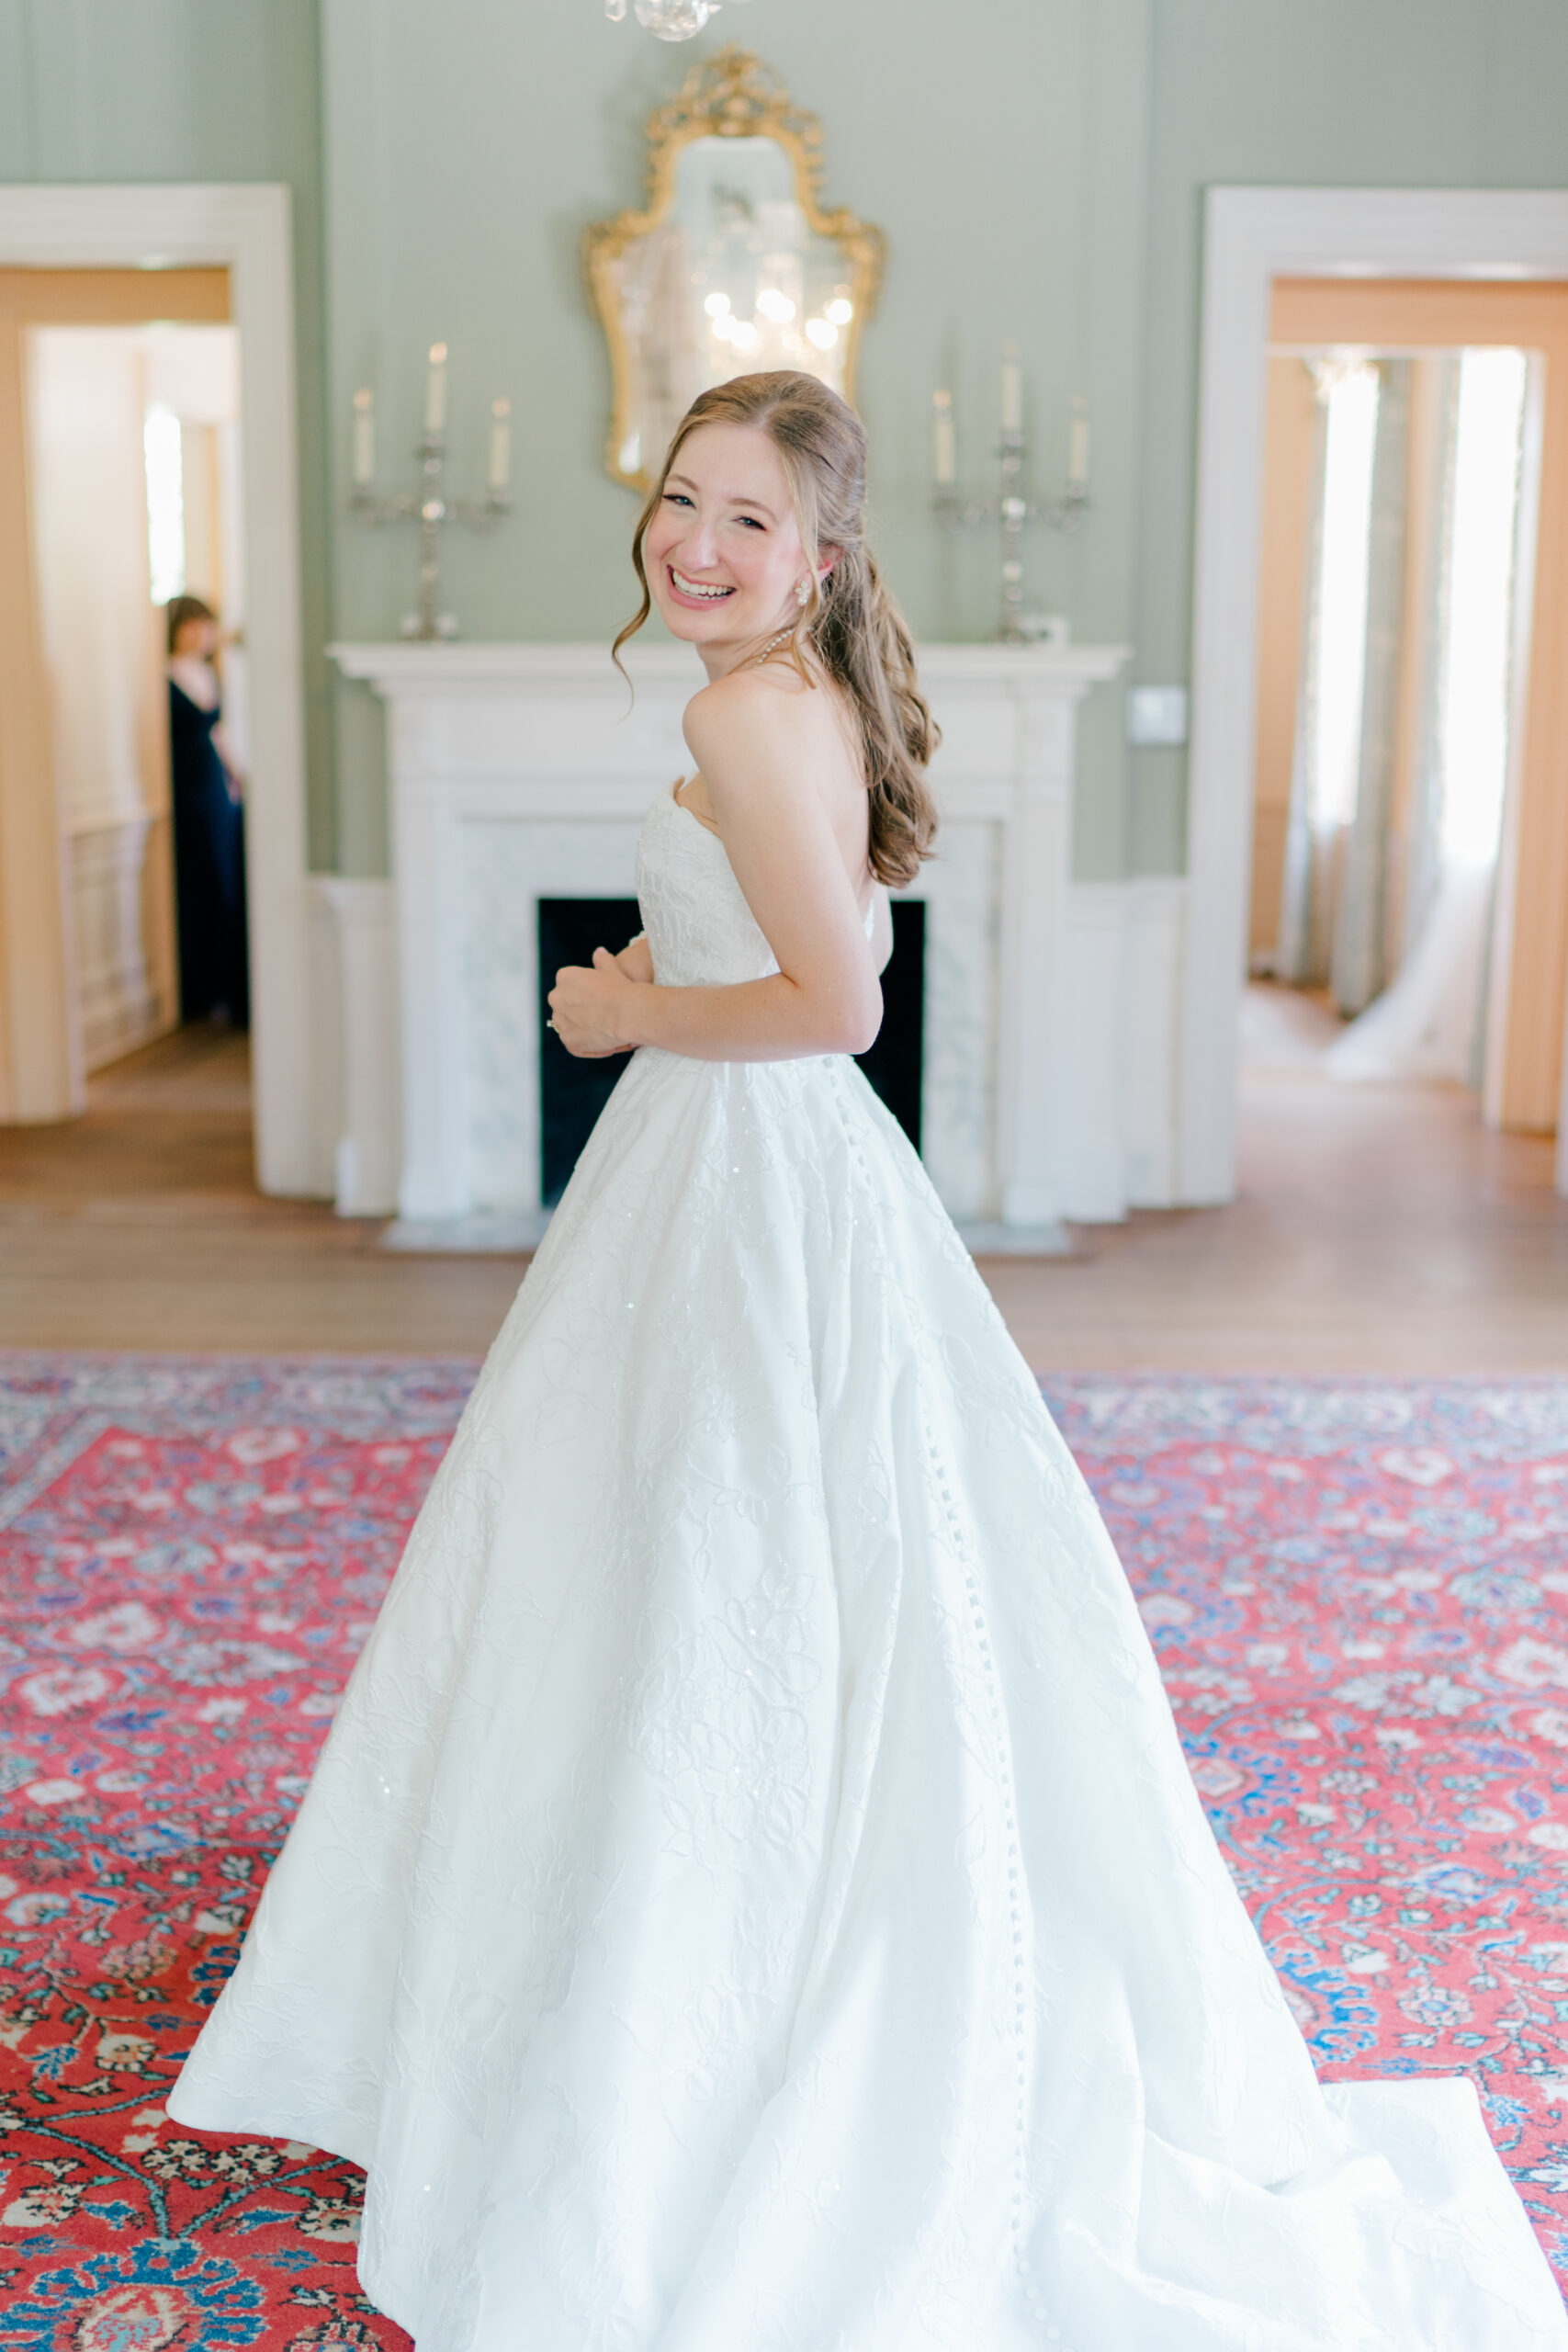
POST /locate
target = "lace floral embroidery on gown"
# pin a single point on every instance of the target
(753, 1898)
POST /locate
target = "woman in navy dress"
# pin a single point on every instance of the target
(210, 837)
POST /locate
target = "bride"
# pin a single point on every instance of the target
(753, 1898)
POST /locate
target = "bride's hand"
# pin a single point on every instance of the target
(588, 1005)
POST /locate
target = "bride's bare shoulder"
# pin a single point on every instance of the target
(771, 701)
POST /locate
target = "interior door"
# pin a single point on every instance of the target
(86, 939)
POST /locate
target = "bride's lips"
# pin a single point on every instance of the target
(694, 603)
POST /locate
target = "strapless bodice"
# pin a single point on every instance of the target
(701, 931)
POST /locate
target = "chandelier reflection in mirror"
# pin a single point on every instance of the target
(669, 19)
(732, 266)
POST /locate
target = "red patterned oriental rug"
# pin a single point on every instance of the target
(1358, 1592)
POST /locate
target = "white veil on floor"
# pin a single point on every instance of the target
(1425, 1025)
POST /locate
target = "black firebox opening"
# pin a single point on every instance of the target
(573, 1092)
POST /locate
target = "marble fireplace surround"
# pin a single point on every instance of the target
(517, 772)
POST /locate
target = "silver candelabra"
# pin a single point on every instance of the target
(1011, 507)
(429, 505)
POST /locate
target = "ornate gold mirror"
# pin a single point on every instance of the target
(732, 266)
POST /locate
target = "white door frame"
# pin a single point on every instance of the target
(245, 229)
(1253, 235)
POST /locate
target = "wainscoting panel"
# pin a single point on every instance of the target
(126, 990)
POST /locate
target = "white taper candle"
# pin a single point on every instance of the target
(944, 449)
(363, 438)
(1078, 443)
(1012, 390)
(500, 443)
(435, 391)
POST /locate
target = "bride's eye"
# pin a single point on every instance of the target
(676, 498)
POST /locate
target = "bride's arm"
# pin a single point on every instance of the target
(636, 958)
(881, 930)
(751, 743)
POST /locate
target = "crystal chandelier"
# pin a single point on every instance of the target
(668, 19)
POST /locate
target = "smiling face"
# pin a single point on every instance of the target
(722, 550)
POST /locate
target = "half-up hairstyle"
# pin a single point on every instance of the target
(849, 624)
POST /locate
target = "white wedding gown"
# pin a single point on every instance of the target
(753, 1898)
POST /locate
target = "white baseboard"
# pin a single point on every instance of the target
(483, 1233)
(498, 1235)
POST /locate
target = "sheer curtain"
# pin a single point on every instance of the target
(1427, 1024)
(1402, 722)
(1359, 956)
(1301, 954)
(1332, 914)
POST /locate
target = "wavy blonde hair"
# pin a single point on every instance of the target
(849, 624)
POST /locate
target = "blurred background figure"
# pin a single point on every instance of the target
(210, 837)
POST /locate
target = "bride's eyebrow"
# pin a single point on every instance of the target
(684, 482)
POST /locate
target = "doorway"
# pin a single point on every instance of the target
(87, 955)
(1349, 246)
(125, 433)
(1400, 527)
(146, 239)
(1428, 752)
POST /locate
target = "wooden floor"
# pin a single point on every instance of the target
(1379, 1229)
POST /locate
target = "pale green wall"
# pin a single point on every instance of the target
(151, 90)
(462, 169)
(1038, 166)
(1347, 93)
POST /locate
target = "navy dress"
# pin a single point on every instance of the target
(209, 868)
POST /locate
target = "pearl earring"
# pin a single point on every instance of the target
(803, 591)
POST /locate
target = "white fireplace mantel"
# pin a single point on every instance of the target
(519, 771)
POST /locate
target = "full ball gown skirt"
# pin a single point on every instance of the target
(753, 1898)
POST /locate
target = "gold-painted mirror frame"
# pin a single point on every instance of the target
(730, 96)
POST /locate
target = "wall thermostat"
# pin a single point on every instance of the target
(1156, 714)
